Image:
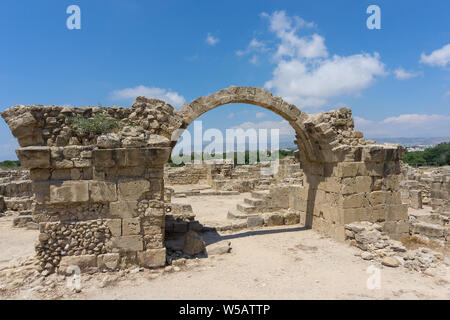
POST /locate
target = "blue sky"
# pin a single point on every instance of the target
(318, 55)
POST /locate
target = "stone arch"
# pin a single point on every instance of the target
(258, 97)
(111, 186)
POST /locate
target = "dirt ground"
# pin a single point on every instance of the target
(212, 210)
(285, 262)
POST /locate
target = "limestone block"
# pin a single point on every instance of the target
(115, 226)
(131, 226)
(273, 219)
(34, 157)
(20, 125)
(354, 214)
(62, 164)
(396, 212)
(350, 169)
(255, 221)
(108, 141)
(126, 243)
(377, 197)
(152, 258)
(123, 209)
(357, 200)
(356, 184)
(41, 191)
(108, 261)
(69, 191)
(103, 158)
(291, 218)
(415, 199)
(193, 243)
(103, 191)
(61, 174)
(39, 174)
(396, 228)
(132, 189)
(82, 163)
(84, 262)
(373, 153)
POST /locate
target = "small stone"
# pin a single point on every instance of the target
(390, 262)
(367, 256)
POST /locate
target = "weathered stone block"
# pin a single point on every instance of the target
(69, 191)
(103, 158)
(123, 209)
(132, 189)
(103, 191)
(357, 200)
(152, 258)
(131, 226)
(115, 226)
(108, 261)
(39, 174)
(377, 197)
(255, 221)
(34, 157)
(84, 262)
(396, 212)
(41, 191)
(126, 243)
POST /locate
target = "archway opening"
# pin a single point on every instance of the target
(234, 168)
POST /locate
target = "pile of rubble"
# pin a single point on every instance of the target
(377, 246)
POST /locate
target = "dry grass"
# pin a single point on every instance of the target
(413, 242)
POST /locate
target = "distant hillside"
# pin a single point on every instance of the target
(436, 156)
(408, 142)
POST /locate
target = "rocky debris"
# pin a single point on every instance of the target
(218, 248)
(377, 246)
(193, 243)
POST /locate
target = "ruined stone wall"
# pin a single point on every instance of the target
(102, 193)
(187, 174)
(96, 196)
(427, 186)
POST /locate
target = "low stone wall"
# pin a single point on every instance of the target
(187, 174)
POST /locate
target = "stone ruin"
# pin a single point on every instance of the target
(99, 198)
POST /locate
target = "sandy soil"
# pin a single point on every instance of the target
(285, 262)
(15, 242)
(212, 210)
(278, 263)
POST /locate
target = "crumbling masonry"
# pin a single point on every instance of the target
(99, 198)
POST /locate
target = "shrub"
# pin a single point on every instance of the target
(99, 124)
(438, 155)
(10, 164)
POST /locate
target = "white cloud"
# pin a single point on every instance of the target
(230, 115)
(254, 60)
(305, 74)
(439, 57)
(311, 85)
(171, 97)
(405, 125)
(402, 74)
(284, 126)
(211, 40)
(260, 115)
